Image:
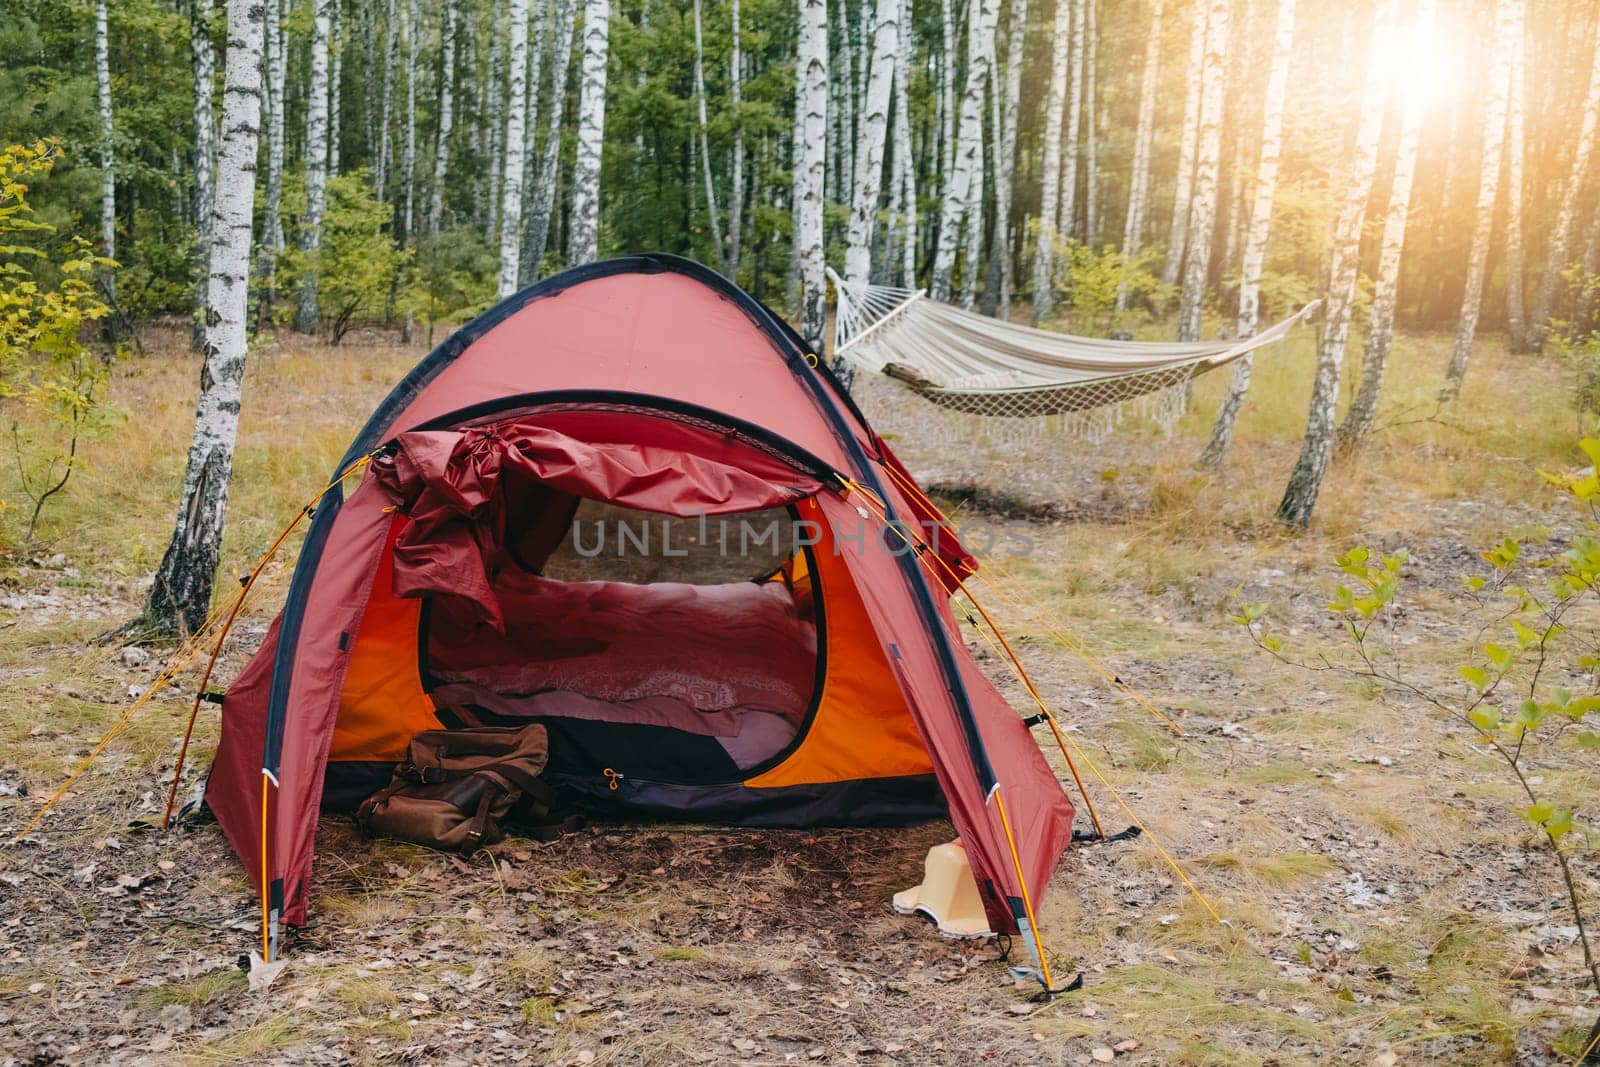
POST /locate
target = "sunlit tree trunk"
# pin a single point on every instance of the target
(872, 135)
(203, 61)
(947, 90)
(1494, 130)
(811, 139)
(968, 165)
(561, 46)
(306, 316)
(1091, 138)
(583, 232)
(516, 141)
(108, 174)
(973, 234)
(1255, 247)
(1305, 482)
(275, 71)
(1567, 214)
(712, 213)
(1203, 216)
(1006, 153)
(906, 187)
(180, 597)
(1183, 188)
(1380, 325)
(1044, 252)
(1068, 212)
(1139, 179)
(1516, 311)
(736, 167)
(447, 114)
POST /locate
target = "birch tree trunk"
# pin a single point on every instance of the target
(736, 177)
(1567, 215)
(1516, 311)
(906, 188)
(204, 62)
(538, 45)
(516, 141)
(1380, 324)
(1139, 180)
(335, 84)
(1183, 188)
(1044, 252)
(810, 168)
(583, 234)
(306, 315)
(712, 213)
(1203, 216)
(180, 597)
(1006, 155)
(408, 149)
(561, 46)
(1068, 212)
(447, 116)
(380, 172)
(108, 174)
(1091, 160)
(275, 71)
(973, 250)
(872, 134)
(1305, 482)
(495, 92)
(1255, 247)
(968, 165)
(1494, 130)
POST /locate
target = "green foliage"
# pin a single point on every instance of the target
(1089, 279)
(361, 271)
(455, 277)
(51, 385)
(1528, 685)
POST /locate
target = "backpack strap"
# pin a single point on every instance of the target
(480, 819)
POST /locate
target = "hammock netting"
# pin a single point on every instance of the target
(1036, 380)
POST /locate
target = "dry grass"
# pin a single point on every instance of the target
(658, 944)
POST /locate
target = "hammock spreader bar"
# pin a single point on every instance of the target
(983, 366)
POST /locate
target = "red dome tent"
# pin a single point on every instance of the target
(652, 383)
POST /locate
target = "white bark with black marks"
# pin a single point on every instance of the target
(447, 116)
(108, 174)
(583, 234)
(736, 176)
(408, 149)
(1255, 245)
(1516, 307)
(872, 135)
(275, 70)
(810, 169)
(538, 45)
(306, 315)
(180, 598)
(516, 142)
(968, 164)
(904, 165)
(203, 61)
(1380, 323)
(335, 85)
(1006, 153)
(1203, 211)
(1494, 131)
(1305, 482)
(712, 214)
(1073, 152)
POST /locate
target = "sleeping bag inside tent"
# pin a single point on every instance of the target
(626, 504)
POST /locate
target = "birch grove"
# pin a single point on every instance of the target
(811, 142)
(1183, 185)
(307, 317)
(447, 117)
(1044, 253)
(967, 165)
(1203, 213)
(275, 71)
(1144, 133)
(202, 59)
(180, 597)
(562, 43)
(108, 159)
(1571, 195)
(873, 133)
(1305, 481)
(1010, 106)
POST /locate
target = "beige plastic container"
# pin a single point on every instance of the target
(948, 894)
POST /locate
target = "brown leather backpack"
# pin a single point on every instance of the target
(456, 787)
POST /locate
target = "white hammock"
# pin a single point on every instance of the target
(983, 366)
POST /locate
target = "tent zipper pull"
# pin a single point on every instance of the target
(612, 778)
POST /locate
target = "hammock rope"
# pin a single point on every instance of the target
(978, 365)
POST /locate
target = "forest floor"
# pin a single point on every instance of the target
(1383, 905)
